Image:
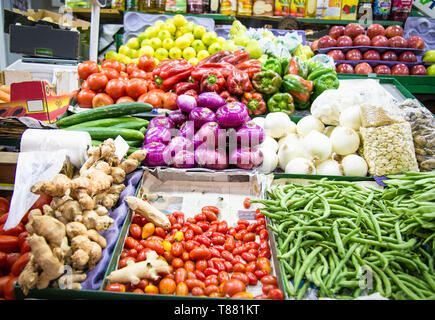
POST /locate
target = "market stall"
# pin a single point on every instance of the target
(199, 161)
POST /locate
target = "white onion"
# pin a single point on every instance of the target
(344, 140)
(328, 130)
(329, 168)
(278, 124)
(259, 121)
(308, 124)
(288, 152)
(300, 166)
(269, 144)
(351, 117)
(270, 162)
(354, 165)
(317, 145)
(290, 138)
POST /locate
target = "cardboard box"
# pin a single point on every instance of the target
(8, 77)
(37, 100)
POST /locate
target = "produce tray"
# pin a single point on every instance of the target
(197, 181)
(366, 48)
(374, 63)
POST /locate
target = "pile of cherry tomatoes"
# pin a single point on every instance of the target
(207, 257)
(114, 82)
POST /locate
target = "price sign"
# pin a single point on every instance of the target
(426, 6)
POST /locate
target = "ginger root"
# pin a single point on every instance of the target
(134, 272)
(46, 226)
(149, 212)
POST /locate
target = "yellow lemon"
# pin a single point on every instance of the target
(182, 42)
(158, 24)
(189, 53)
(156, 43)
(197, 45)
(190, 36)
(202, 54)
(123, 50)
(179, 20)
(193, 61)
(168, 43)
(142, 36)
(146, 42)
(221, 40)
(164, 34)
(198, 32)
(110, 55)
(175, 53)
(161, 53)
(151, 32)
(169, 26)
(125, 59)
(215, 47)
(178, 33)
(209, 38)
(133, 43)
(189, 26)
(157, 61)
(146, 50)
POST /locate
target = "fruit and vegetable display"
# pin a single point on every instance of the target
(376, 49)
(197, 256)
(331, 233)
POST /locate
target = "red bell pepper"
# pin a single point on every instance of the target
(170, 72)
(251, 67)
(293, 67)
(192, 93)
(238, 82)
(237, 57)
(183, 87)
(213, 81)
(255, 103)
(228, 97)
(214, 58)
(303, 96)
(224, 68)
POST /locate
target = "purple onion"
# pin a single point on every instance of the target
(161, 122)
(177, 117)
(186, 103)
(187, 130)
(157, 134)
(250, 134)
(246, 158)
(232, 115)
(154, 154)
(210, 100)
(208, 135)
(212, 159)
(177, 144)
(201, 115)
(184, 159)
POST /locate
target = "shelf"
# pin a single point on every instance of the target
(104, 13)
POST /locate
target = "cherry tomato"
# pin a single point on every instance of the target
(85, 97)
(160, 232)
(252, 266)
(196, 229)
(252, 278)
(191, 275)
(156, 246)
(199, 274)
(110, 73)
(249, 257)
(167, 286)
(222, 227)
(211, 271)
(241, 276)
(264, 253)
(216, 295)
(197, 291)
(203, 225)
(260, 273)
(115, 287)
(239, 267)
(101, 99)
(201, 265)
(130, 243)
(185, 256)
(200, 253)
(210, 289)
(275, 294)
(264, 264)
(252, 227)
(192, 283)
(124, 262)
(247, 203)
(189, 266)
(230, 244)
(261, 297)
(232, 231)
(124, 254)
(180, 275)
(132, 253)
(138, 291)
(86, 68)
(218, 239)
(114, 64)
(227, 255)
(249, 236)
(268, 287)
(243, 295)
(135, 231)
(146, 63)
(177, 249)
(269, 280)
(211, 216)
(177, 263)
(151, 289)
(182, 289)
(148, 230)
(264, 235)
(214, 252)
(239, 235)
(233, 286)
(137, 219)
(211, 280)
(223, 276)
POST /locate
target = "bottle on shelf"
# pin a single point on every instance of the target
(177, 6)
(381, 9)
(310, 8)
(195, 6)
(282, 7)
(244, 7)
(215, 6)
(154, 6)
(400, 10)
(297, 8)
(118, 4)
(131, 5)
(229, 7)
(365, 7)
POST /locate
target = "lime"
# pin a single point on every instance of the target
(182, 42)
(168, 43)
(110, 55)
(164, 34)
(202, 54)
(123, 50)
(169, 26)
(156, 43)
(189, 53)
(198, 32)
(158, 24)
(161, 53)
(146, 50)
(221, 40)
(179, 20)
(142, 36)
(175, 53)
(146, 42)
(214, 47)
(197, 45)
(133, 43)
(193, 61)
(151, 32)
(209, 37)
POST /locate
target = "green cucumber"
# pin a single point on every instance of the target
(108, 122)
(143, 130)
(103, 133)
(131, 150)
(131, 143)
(110, 111)
(136, 124)
(96, 143)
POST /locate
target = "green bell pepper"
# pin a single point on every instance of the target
(292, 82)
(301, 105)
(281, 102)
(267, 82)
(285, 62)
(320, 71)
(272, 64)
(302, 68)
(325, 82)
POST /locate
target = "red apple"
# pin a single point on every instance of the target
(398, 42)
(389, 56)
(327, 42)
(354, 54)
(416, 42)
(314, 45)
(344, 41)
(400, 70)
(382, 69)
(371, 55)
(336, 31)
(408, 56)
(361, 40)
(380, 41)
(363, 68)
(393, 31)
(353, 29)
(345, 68)
(336, 54)
(418, 70)
(374, 30)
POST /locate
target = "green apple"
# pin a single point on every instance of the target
(146, 50)
(151, 32)
(429, 56)
(241, 40)
(123, 50)
(168, 43)
(164, 34)
(142, 36)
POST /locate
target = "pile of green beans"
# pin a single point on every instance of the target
(334, 233)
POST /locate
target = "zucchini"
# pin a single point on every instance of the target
(103, 133)
(110, 111)
(108, 122)
(135, 123)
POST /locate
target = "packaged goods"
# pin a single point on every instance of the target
(178, 6)
(319, 8)
(349, 9)
(400, 10)
(244, 7)
(332, 9)
(297, 8)
(263, 7)
(381, 9)
(229, 7)
(282, 7)
(310, 8)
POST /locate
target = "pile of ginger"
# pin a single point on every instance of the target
(65, 236)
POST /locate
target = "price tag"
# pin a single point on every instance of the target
(426, 6)
(121, 147)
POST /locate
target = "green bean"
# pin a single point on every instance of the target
(341, 264)
(429, 258)
(310, 228)
(287, 241)
(429, 280)
(290, 290)
(402, 286)
(307, 261)
(286, 198)
(383, 258)
(403, 246)
(337, 239)
(397, 230)
(294, 249)
(375, 225)
(302, 291)
(415, 281)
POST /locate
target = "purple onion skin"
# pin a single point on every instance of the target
(176, 145)
(201, 115)
(157, 134)
(186, 103)
(154, 156)
(211, 159)
(250, 135)
(245, 158)
(162, 122)
(209, 135)
(178, 117)
(232, 115)
(187, 130)
(184, 159)
(210, 100)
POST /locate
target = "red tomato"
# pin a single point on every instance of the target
(85, 69)
(260, 273)
(196, 292)
(8, 289)
(167, 286)
(264, 253)
(85, 97)
(131, 67)
(211, 280)
(247, 203)
(114, 64)
(115, 287)
(20, 264)
(130, 243)
(241, 276)
(177, 263)
(269, 280)
(146, 63)
(249, 236)
(252, 278)
(177, 249)
(200, 217)
(252, 266)
(196, 229)
(16, 231)
(110, 73)
(189, 266)
(101, 99)
(222, 227)
(199, 274)
(124, 99)
(275, 294)
(4, 205)
(3, 281)
(124, 262)
(115, 88)
(182, 289)
(200, 253)
(192, 283)
(136, 87)
(230, 244)
(9, 244)
(232, 231)
(136, 231)
(223, 276)
(180, 275)
(154, 98)
(239, 267)
(97, 81)
(201, 265)
(233, 286)
(249, 257)
(211, 289)
(268, 287)
(138, 73)
(211, 271)
(132, 253)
